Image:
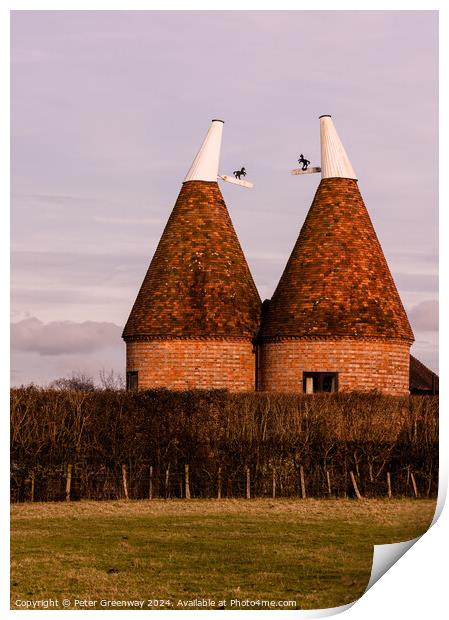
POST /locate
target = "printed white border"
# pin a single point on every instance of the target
(416, 585)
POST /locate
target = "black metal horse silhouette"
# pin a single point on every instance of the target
(305, 162)
(239, 173)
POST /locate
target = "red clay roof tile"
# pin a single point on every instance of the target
(198, 284)
(337, 283)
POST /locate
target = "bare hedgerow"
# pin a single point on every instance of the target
(219, 435)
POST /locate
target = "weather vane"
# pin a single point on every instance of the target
(237, 180)
(240, 173)
(304, 163)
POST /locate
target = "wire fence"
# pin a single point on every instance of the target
(73, 482)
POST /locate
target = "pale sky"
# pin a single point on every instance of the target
(109, 109)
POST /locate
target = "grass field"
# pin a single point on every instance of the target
(317, 553)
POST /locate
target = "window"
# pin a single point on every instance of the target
(314, 382)
(132, 380)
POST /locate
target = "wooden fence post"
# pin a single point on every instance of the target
(125, 482)
(389, 484)
(68, 483)
(150, 486)
(303, 482)
(415, 488)
(32, 487)
(219, 483)
(429, 486)
(248, 484)
(354, 484)
(167, 488)
(274, 483)
(329, 488)
(187, 483)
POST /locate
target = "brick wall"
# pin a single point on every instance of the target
(362, 365)
(187, 364)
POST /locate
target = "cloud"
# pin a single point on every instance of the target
(424, 316)
(63, 337)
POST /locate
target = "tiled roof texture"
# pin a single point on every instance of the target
(198, 284)
(337, 283)
(422, 379)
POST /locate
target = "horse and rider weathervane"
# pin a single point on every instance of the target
(237, 180)
(305, 163)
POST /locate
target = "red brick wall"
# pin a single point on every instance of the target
(362, 365)
(186, 364)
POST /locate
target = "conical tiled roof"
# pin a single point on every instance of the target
(337, 283)
(198, 284)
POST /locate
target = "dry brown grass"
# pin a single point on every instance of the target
(382, 510)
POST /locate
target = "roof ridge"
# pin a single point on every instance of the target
(423, 366)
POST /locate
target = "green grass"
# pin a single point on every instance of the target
(315, 552)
